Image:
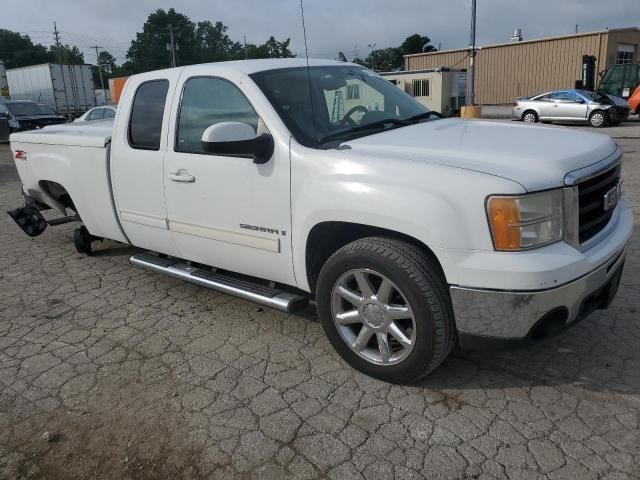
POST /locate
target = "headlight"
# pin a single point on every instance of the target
(525, 221)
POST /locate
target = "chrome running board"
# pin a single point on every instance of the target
(239, 287)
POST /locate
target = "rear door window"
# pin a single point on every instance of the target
(109, 113)
(147, 112)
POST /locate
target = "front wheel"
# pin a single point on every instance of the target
(385, 308)
(598, 119)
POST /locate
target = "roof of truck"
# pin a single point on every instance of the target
(261, 65)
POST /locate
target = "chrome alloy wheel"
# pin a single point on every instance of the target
(373, 317)
(530, 118)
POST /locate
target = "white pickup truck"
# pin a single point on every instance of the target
(280, 182)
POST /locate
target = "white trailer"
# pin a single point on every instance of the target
(67, 89)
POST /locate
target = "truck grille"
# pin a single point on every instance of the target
(593, 216)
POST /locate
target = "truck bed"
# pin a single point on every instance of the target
(72, 157)
(80, 134)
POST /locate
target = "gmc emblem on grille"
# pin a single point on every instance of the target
(611, 198)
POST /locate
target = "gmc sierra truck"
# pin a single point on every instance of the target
(281, 181)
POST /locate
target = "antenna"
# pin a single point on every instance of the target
(306, 54)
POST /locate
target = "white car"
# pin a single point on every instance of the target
(412, 233)
(98, 113)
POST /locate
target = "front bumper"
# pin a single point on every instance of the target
(518, 317)
(503, 310)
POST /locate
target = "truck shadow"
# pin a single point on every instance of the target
(601, 355)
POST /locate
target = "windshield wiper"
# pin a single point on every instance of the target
(380, 124)
(424, 115)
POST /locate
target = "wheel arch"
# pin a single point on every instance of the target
(598, 110)
(530, 109)
(57, 196)
(325, 238)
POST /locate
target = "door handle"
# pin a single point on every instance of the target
(182, 176)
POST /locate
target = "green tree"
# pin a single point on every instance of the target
(19, 51)
(149, 49)
(67, 55)
(106, 62)
(392, 58)
(214, 45)
(417, 43)
(385, 60)
(272, 48)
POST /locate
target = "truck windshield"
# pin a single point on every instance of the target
(348, 102)
(29, 108)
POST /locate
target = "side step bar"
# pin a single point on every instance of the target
(267, 296)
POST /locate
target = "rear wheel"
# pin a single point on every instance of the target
(598, 119)
(386, 310)
(530, 116)
(82, 240)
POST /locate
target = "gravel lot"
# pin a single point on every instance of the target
(141, 376)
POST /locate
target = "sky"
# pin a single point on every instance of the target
(332, 25)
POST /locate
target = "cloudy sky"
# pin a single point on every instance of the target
(332, 25)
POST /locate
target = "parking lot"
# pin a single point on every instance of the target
(141, 376)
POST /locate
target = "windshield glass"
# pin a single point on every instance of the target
(592, 96)
(348, 102)
(28, 108)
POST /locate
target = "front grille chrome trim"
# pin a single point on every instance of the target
(593, 170)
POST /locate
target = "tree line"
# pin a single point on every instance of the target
(197, 42)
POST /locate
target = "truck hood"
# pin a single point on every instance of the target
(536, 157)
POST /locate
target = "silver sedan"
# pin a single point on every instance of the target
(572, 106)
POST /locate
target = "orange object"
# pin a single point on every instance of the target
(504, 216)
(634, 101)
(115, 88)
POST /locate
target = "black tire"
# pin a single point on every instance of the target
(594, 119)
(533, 115)
(419, 279)
(82, 240)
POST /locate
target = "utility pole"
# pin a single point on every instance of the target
(56, 34)
(104, 93)
(246, 53)
(372, 46)
(472, 67)
(172, 47)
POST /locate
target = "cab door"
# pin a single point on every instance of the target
(137, 155)
(227, 211)
(568, 105)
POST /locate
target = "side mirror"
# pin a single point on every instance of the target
(237, 139)
(579, 100)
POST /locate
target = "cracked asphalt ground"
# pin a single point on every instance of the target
(142, 376)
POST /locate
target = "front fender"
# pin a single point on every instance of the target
(441, 206)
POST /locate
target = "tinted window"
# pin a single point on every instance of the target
(145, 125)
(29, 108)
(96, 114)
(207, 101)
(321, 103)
(565, 96)
(109, 113)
